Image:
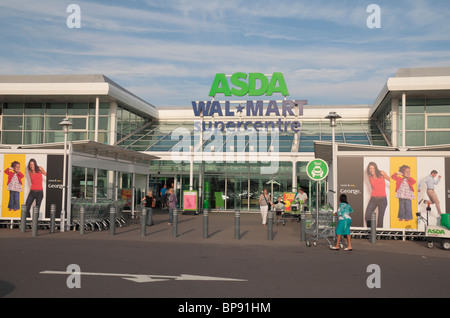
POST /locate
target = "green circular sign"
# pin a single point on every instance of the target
(317, 169)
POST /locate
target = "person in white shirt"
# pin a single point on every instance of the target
(430, 181)
(301, 195)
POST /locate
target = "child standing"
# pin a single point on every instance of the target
(343, 227)
(404, 192)
(14, 185)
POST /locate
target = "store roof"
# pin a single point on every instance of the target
(96, 148)
(415, 82)
(71, 87)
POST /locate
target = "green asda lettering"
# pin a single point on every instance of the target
(240, 86)
(435, 231)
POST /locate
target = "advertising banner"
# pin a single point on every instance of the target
(395, 188)
(350, 182)
(288, 197)
(54, 183)
(31, 180)
(190, 200)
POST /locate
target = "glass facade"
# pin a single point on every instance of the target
(162, 137)
(427, 122)
(37, 123)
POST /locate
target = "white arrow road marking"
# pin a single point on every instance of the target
(137, 278)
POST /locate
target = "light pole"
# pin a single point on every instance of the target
(65, 125)
(333, 116)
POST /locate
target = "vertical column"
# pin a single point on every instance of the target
(97, 110)
(403, 119)
(394, 122)
(112, 123)
(294, 175)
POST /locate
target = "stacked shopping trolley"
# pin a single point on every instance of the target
(96, 214)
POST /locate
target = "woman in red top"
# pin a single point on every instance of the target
(378, 198)
(36, 189)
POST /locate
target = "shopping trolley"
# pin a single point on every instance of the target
(321, 226)
(97, 214)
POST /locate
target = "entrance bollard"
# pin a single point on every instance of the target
(175, 223)
(373, 228)
(52, 217)
(82, 219)
(237, 224)
(35, 220)
(270, 225)
(302, 227)
(205, 223)
(112, 220)
(23, 218)
(143, 221)
(62, 221)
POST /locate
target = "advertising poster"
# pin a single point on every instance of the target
(403, 192)
(54, 183)
(288, 197)
(190, 200)
(350, 182)
(431, 189)
(24, 182)
(13, 185)
(377, 181)
(35, 182)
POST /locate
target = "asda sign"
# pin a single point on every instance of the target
(253, 84)
(281, 115)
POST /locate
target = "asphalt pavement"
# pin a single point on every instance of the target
(191, 267)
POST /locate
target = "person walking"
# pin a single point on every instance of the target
(431, 182)
(343, 227)
(172, 204)
(148, 200)
(264, 201)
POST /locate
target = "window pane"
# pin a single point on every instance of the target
(12, 137)
(415, 138)
(415, 122)
(438, 137)
(78, 123)
(52, 123)
(103, 123)
(414, 105)
(12, 123)
(438, 122)
(56, 109)
(12, 108)
(438, 108)
(33, 138)
(54, 137)
(72, 136)
(77, 108)
(34, 123)
(34, 109)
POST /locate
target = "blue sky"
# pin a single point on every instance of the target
(168, 51)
